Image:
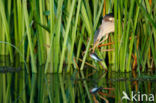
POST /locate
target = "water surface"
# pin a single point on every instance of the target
(74, 87)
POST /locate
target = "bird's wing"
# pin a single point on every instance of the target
(96, 35)
(106, 28)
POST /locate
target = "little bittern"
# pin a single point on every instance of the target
(105, 28)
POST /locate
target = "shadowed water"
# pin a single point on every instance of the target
(74, 87)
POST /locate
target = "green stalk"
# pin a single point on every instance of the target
(108, 4)
(6, 28)
(85, 56)
(80, 42)
(47, 38)
(42, 52)
(57, 38)
(122, 64)
(74, 36)
(86, 3)
(140, 53)
(15, 25)
(66, 36)
(28, 54)
(132, 40)
(116, 35)
(127, 34)
(86, 20)
(20, 28)
(50, 55)
(154, 15)
(95, 2)
(89, 29)
(149, 11)
(33, 61)
(148, 6)
(149, 16)
(121, 33)
(153, 50)
(98, 16)
(119, 22)
(2, 38)
(147, 47)
(149, 19)
(9, 9)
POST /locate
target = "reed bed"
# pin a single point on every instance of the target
(55, 32)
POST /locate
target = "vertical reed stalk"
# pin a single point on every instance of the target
(6, 28)
(58, 34)
(89, 29)
(66, 36)
(2, 38)
(122, 64)
(73, 36)
(127, 35)
(42, 52)
(80, 42)
(116, 34)
(132, 40)
(16, 35)
(33, 60)
(50, 54)
(19, 19)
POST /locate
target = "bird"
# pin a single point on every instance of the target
(104, 29)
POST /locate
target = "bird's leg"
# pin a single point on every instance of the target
(107, 44)
(98, 42)
(95, 45)
(104, 39)
(108, 50)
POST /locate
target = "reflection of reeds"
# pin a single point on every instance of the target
(68, 27)
(22, 87)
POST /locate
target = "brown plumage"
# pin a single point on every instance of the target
(105, 28)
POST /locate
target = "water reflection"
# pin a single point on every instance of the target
(75, 87)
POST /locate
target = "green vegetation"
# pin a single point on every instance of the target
(59, 33)
(73, 87)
